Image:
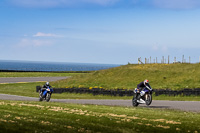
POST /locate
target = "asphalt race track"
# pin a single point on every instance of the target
(193, 106)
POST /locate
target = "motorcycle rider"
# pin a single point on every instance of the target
(45, 86)
(141, 88)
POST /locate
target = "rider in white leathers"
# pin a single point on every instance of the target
(141, 86)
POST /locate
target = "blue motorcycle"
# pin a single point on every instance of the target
(45, 94)
(146, 97)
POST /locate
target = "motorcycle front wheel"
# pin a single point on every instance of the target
(148, 99)
(134, 101)
(48, 96)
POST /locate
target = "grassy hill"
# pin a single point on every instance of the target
(173, 76)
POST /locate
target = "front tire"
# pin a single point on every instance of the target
(48, 97)
(148, 99)
(134, 101)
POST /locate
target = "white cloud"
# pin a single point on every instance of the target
(60, 3)
(40, 34)
(34, 43)
(177, 4)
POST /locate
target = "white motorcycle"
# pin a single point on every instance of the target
(143, 97)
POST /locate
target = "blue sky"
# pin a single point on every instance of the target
(99, 31)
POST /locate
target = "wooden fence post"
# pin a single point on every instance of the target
(157, 60)
(189, 59)
(183, 59)
(163, 60)
(150, 59)
(168, 59)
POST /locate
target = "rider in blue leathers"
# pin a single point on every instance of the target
(44, 87)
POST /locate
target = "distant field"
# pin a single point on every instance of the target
(59, 117)
(36, 74)
(172, 76)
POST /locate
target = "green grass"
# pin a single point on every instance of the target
(59, 117)
(21, 89)
(36, 74)
(172, 76)
(29, 89)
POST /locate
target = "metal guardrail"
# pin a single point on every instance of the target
(125, 92)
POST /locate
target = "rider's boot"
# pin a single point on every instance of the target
(41, 94)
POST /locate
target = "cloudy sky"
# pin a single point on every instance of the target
(99, 31)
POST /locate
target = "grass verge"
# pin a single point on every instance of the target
(59, 117)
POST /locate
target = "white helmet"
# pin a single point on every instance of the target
(47, 83)
(146, 81)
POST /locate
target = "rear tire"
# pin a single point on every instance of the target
(134, 101)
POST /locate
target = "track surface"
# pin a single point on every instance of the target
(193, 106)
(29, 79)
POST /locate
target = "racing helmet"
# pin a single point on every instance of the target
(146, 81)
(47, 83)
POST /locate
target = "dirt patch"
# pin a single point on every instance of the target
(165, 127)
(46, 123)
